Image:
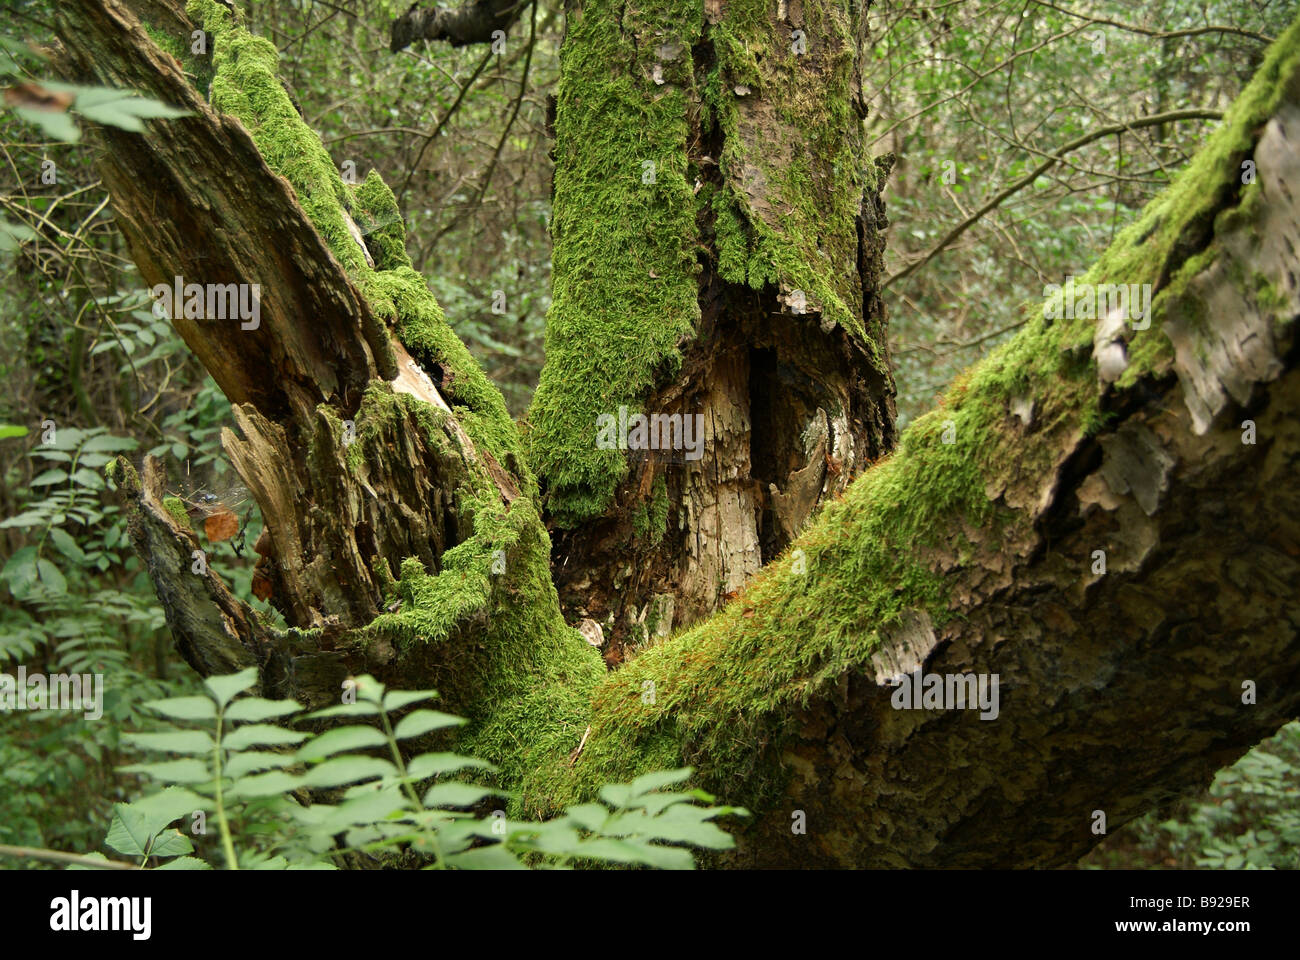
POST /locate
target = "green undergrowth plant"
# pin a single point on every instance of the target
(241, 782)
(1246, 820)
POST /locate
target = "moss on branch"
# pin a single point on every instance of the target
(518, 672)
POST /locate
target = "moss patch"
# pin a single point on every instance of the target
(522, 676)
(175, 507)
(624, 267)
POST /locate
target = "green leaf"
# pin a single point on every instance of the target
(67, 546)
(129, 831)
(455, 794)
(55, 124)
(397, 699)
(20, 571)
(224, 688)
(170, 843)
(657, 780)
(368, 689)
(66, 438)
(358, 709)
(184, 708)
(589, 816)
(341, 770)
(683, 824)
(261, 734)
(184, 863)
(88, 478)
(436, 764)
(172, 771)
(255, 760)
(368, 807)
(12, 235)
(341, 739)
(168, 805)
(8, 430)
(617, 795)
(424, 721)
(47, 477)
(121, 108)
(105, 443)
(52, 577)
(656, 803)
(28, 518)
(255, 708)
(552, 837)
(630, 851)
(264, 785)
(181, 741)
(491, 857)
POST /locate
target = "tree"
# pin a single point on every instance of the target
(1102, 513)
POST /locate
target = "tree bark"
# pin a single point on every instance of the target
(972, 548)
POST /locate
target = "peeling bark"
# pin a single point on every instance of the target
(196, 199)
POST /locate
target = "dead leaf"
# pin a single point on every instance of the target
(220, 525)
(261, 587)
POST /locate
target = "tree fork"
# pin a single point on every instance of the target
(971, 556)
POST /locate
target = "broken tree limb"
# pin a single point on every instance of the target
(476, 21)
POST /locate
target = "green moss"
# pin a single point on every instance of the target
(199, 68)
(167, 41)
(526, 685)
(523, 677)
(626, 252)
(1171, 241)
(176, 508)
(720, 687)
(246, 85)
(812, 167)
(381, 223)
(650, 520)
(624, 268)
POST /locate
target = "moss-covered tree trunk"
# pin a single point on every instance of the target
(717, 226)
(1102, 514)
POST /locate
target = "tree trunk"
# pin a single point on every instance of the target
(1086, 516)
(717, 226)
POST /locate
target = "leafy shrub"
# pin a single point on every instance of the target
(1247, 819)
(251, 776)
